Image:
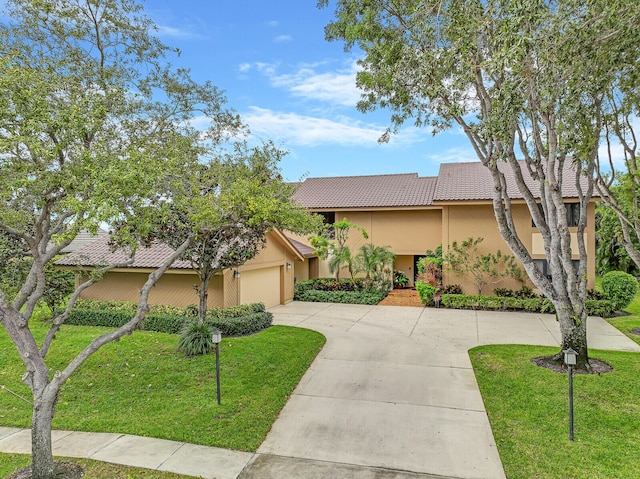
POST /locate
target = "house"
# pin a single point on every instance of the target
(413, 214)
(267, 278)
(408, 213)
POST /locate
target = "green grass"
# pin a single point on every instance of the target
(528, 409)
(143, 385)
(627, 323)
(10, 463)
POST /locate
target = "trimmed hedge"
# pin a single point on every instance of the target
(330, 284)
(601, 308)
(232, 321)
(242, 325)
(350, 297)
(426, 292)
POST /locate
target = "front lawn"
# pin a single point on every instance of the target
(528, 409)
(93, 469)
(630, 323)
(143, 385)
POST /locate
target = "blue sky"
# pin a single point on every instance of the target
(292, 86)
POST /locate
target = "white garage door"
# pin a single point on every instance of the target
(261, 286)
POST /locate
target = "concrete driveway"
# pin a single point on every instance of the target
(393, 394)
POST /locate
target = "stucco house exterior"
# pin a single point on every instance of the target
(406, 212)
(413, 214)
(267, 278)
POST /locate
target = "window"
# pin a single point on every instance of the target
(543, 266)
(573, 214)
(329, 217)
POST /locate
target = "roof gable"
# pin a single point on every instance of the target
(99, 252)
(377, 191)
(473, 181)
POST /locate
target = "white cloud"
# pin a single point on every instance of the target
(295, 129)
(457, 154)
(282, 39)
(174, 32)
(272, 23)
(336, 87)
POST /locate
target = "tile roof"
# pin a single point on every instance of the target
(304, 249)
(376, 191)
(473, 181)
(99, 252)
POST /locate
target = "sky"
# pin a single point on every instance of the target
(292, 86)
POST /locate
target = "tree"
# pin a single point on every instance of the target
(95, 127)
(482, 270)
(338, 252)
(611, 255)
(618, 168)
(376, 262)
(521, 79)
(244, 197)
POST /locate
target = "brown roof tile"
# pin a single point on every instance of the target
(472, 181)
(304, 249)
(377, 191)
(98, 252)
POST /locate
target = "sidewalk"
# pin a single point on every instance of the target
(158, 454)
(392, 395)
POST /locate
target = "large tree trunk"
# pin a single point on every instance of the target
(42, 465)
(573, 329)
(203, 294)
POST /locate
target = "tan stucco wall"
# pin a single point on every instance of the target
(275, 254)
(406, 232)
(463, 221)
(301, 270)
(175, 289)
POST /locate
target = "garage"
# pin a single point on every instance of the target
(261, 286)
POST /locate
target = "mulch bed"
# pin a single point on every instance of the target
(635, 331)
(63, 470)
(402, 297)
(596, 366)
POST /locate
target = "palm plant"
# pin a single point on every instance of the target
(376, 262)
(340, 258)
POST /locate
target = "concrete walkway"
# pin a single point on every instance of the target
(391, 396)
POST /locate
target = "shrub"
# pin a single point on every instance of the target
(195, 338)
(595, 294)
(619, 288)
(426, 292)
(600, 307)
(504, 292)
(235, 311)
(232, 321)
(535, 305)
(351, 297)
(331, 284)
(242, 325)
(525, 292)
(451, 289)
(400, 279)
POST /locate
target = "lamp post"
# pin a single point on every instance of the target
(216, 337)
(570, 357)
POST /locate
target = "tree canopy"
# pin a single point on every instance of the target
(96, 127)
(234, 200)
(526, 82)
